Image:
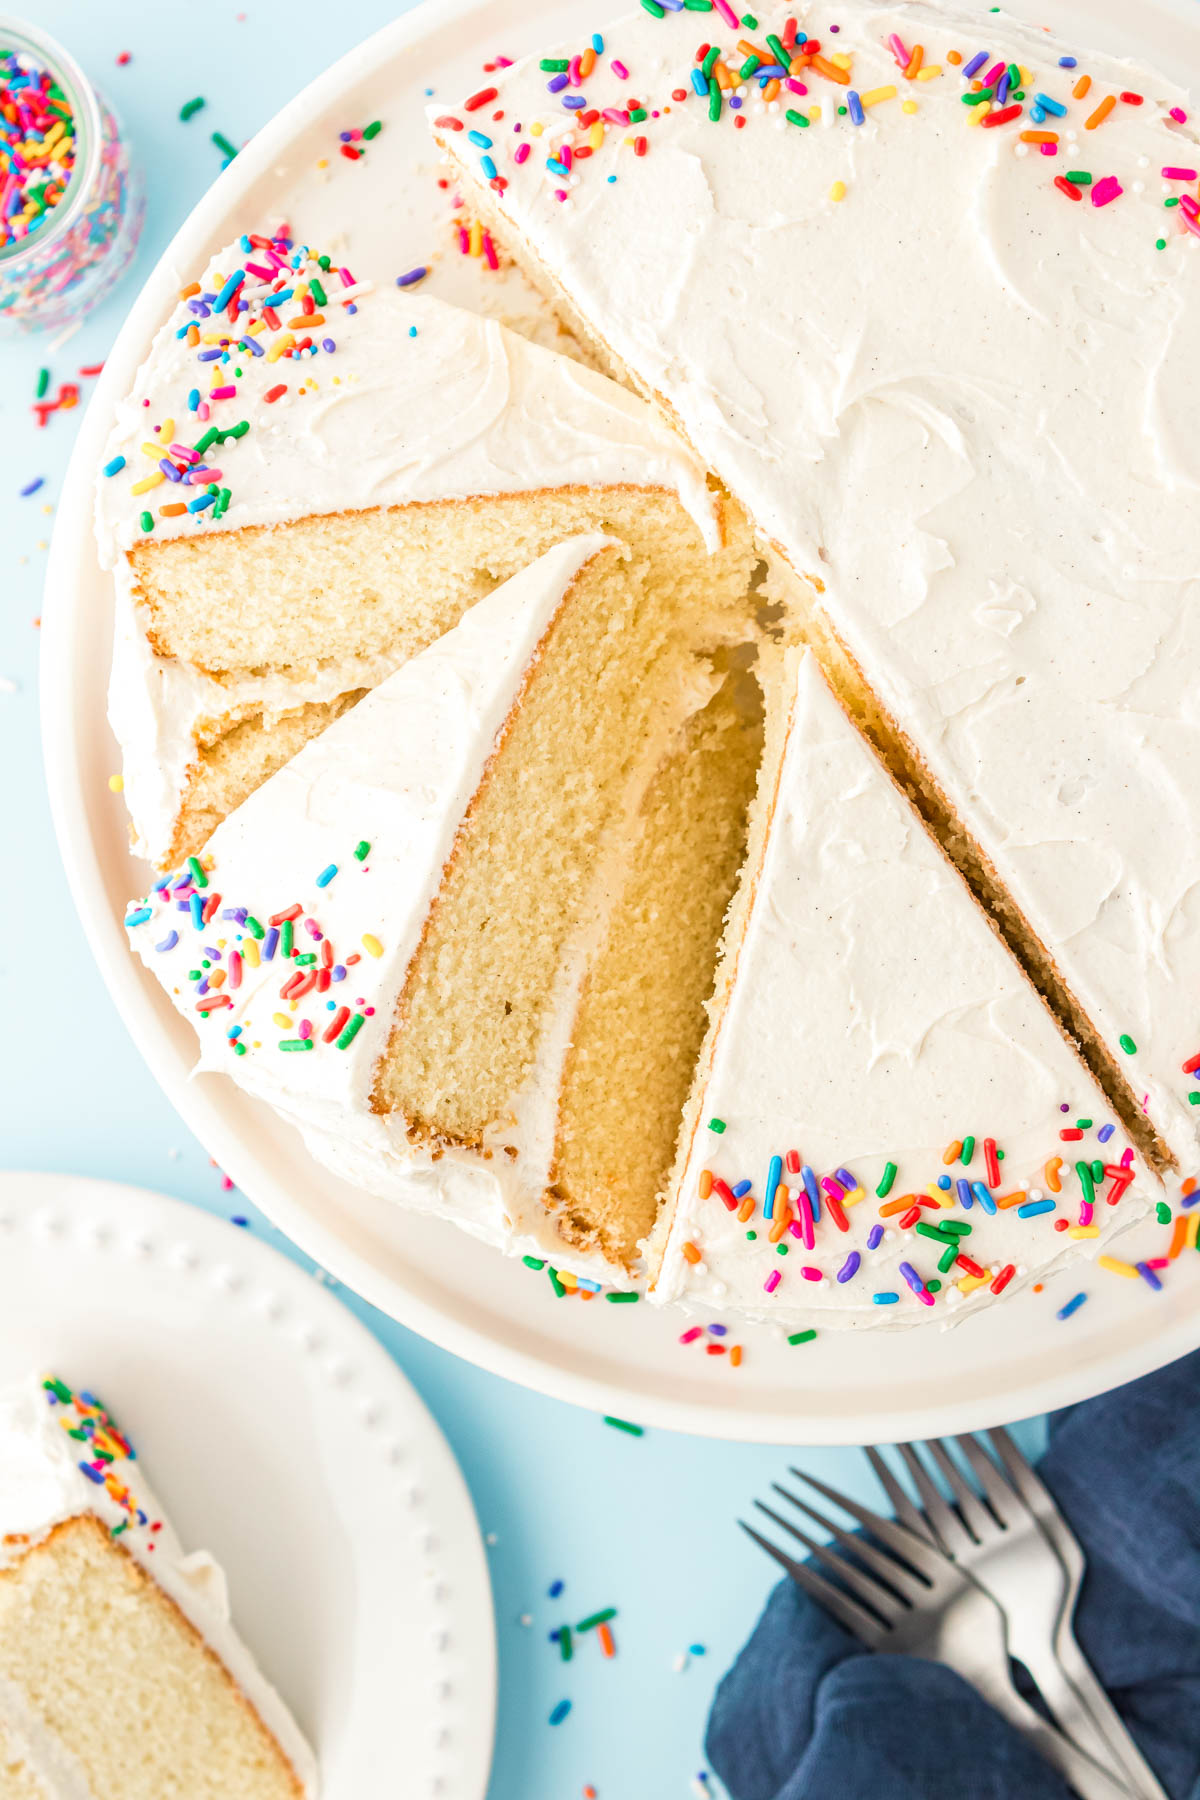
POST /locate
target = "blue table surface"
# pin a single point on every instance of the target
(643, 1524)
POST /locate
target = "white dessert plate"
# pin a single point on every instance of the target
(279, 1435)
(389, 215)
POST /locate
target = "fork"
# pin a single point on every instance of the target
(909, 1597)
(1003, 1546)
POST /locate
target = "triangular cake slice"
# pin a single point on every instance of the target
(880, 1082)
(312, 479)
(904, 277)
(414, 939)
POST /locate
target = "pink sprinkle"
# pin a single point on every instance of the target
(1106, 190)
(689, 1337)
(810, 1274)
(899, 52)
(1127, 1153)
(795, 1230)
(524, 152)
(1171, 174)
(184, 453)
(1158, 1262)
(925, 1297)
(235, 969)
(561, 194)
(615, 116)
(573, 72)
(564, 155)
(489, 251)
(198, 477)
(1193, 225)
(1048, 149)
(994, 73)
(773, 1280)
(263, 274)
(504, 62)
(620, 71)
(795, 87)
(222, 393)
(202, 411)
(306, 1028)
(1179, 116)
(806, 1219)
(727, 13)
(1188, 205)
(347, 277)
(1086, 1209)
(833, 1187)
(464, 236)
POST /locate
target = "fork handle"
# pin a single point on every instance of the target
(1089, 1780)
(1108, 1721)
(1075, 1714)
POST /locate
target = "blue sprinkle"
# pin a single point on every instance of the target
(555, 1589)
(328, 344)
(973, 67)
(193, 399)
(1037, 115)
(808, 1177)
(195, 506)
(743, 1187)
(1064, 1312)
(966, 1200)
(92, 1474)
(699, 83)
(209, 356)
(849, 1267)
(769, 72)
(1147, 1274)
(857, 115)
(250, 345)
(984, 1198)
(326, 876)
(196, 908)
(673, 5)
(1002, 89)
(1105, 1132)
(31, 487)
(885, 1299)
(774, 1172)
(115, 466)
(238, 1218)
(560, 1712)
(943, 1182)
(169, 942)
(488, 167)
(477, 138)
(697, 1650)
(1052, 106)
(338, 972)
(874, 1237)
(1032, 1208)
(557, 168)
(413, 276)
(139, 917)
(412, 331)
(270, 944)
(717, 1330)
(227, 292)
(597, 43)
(556, 84)
(591, 1287)
(1068, 62)
(574, 101)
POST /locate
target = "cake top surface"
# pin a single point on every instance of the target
(882, 1058)
(280, 386)
(921, 286)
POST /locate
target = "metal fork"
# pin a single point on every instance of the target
(909, 1597)
(1003, 1546)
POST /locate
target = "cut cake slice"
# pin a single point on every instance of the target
(886, 1125)
(949, 385)
(311, 481)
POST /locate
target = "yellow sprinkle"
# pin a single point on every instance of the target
(283, 1020)
(215, 337)
(151, 450)
(1193, 1226)
(814, 112)
(873, 96)
(841, 60)
(969, 1283)
(322, 162)
(1116, 1267)
(250, 953)
(838, 191)
(628, 143)
(116, 783)
(168, 430)
(475, 239)
(977, 114)
(536, 129)
(1084, 1231)
(371, 944)
(568, 1280)
(147, 482)
(853, 1197)
(280, 347)
(596, 135)
(908, 106)
(1026, 75)
(945, 1198)
(930, 73)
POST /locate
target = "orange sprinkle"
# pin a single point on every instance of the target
(749, 49)
(914, 62)
(193, 336)
(746, 1209)
(780, 1224)
(1039, 137)
(705, 1188)
(952, 1152)
(1101, 113)
(1050, 1172)
(1017, 1199)
(771, 91)
(723, 78)
(173, 511)
(954, 56)
(193, 287)
(831, 71)
(1081, 87)
(606, 1640)
(735, 1356)
(690, 1252)
(897, 1206)
(1037, 1287)
(1178, 1237)
(798, 64)
(587, 62)
(1188, 1187)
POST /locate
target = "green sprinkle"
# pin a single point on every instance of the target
(777, 50)
(43, 382)
(1194, 1098)
(295, 1044)
(637, 115)
(932, 1231)
(318, 292)
(254, 928)
(1097, 1171)
(842, 111)
(1083, 1124)
(195, 974)
(236, 431)
(795, 118)
(781, 1249)
(654, 9)
(351, 1031)
(223, 144)
(624, 1425)
(594, 1619)
(751, 1236)
(619, 1297)
(1127, 1044)
(555, 1283)
(302, 962)
(206, 442)
(948, 1258)
(118, 1529)
(717, 1125)
(1162, 1213)
(1160, 243)
(373, 129)
(147, 521)
(955, 1227)
(1173, 201)
(534, 1262)
(933, 1287)
(697, 5)
(885, 1185)
(325, 262)
(286, 937)
(714, 97)
(362, 850)
(58, 1388)
(239, 1049)
(1014, 77)
(554, 65)
(564, 1642)
(1084, 1172)
(198, 875)
(749, 21)
(806, 1337)
(968, 1151)
(190, 108)
(1080, 177)
(979, 98)
(748, 67)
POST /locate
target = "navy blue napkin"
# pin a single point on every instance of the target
(806, 1714)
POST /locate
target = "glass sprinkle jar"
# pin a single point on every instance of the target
(71, 206)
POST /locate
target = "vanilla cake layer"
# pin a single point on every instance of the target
(880, 1083)
(283, 533)
(952, 388)
(120, 1671)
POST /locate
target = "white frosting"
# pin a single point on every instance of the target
(874, 1017)
(962, 400)
(419, 402)
(42, 1484)
(398, 772)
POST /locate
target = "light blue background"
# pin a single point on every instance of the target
(643, 1524)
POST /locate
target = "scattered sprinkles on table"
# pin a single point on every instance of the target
(102, 1454)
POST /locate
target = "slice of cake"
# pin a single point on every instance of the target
(886, 1123)
(389, 939)
(920, 287)
(311, 481)
(120, 1672)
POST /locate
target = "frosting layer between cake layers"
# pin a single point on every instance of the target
(406, 401)
(61, 1457)
(875, 1019)
(350, 840)
(949, 372)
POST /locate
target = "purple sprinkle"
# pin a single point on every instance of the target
(338, 972)
(328, 344)
(555, 1589)
(875, 1237)
(846, 1178)
(849, 1267)
(574, 101)
(31, 487)
(413, 276)
(1105, 1132)
(270, 944)
(1147, 1274)
(169, 942)
(556, 84)
(717, 1330)
(973, 67)
(913, 1279)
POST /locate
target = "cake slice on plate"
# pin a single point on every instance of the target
(920, 287)
(311, 481)
(120, 1672)
(441, 938)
